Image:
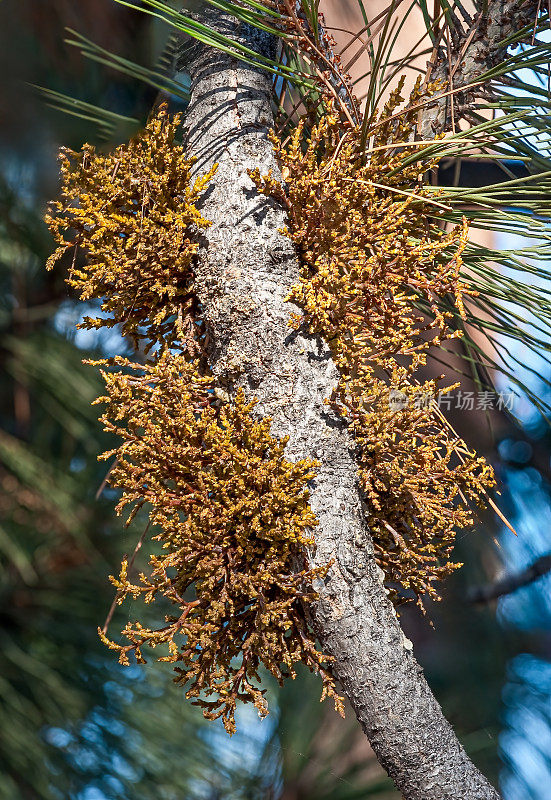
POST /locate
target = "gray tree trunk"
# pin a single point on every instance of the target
(246, 268)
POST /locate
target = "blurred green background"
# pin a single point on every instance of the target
(73, 724)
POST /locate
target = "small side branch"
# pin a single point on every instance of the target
(470, 52)
(510, 583)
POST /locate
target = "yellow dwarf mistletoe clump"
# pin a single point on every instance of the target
(130, 213)
(229, 512)
(373, 253)
(232, 517)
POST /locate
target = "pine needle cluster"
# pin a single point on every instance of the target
(229, 512)
(372, 249)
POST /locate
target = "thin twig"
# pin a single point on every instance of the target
(103, 484)
(109, 616)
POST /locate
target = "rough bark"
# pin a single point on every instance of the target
(245, 270)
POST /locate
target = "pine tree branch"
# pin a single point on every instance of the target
(510, 583)
(246, 268)
(476, 49)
